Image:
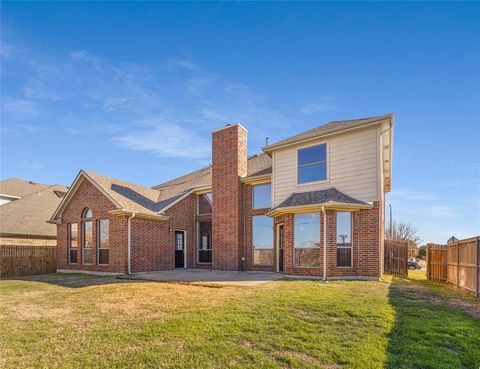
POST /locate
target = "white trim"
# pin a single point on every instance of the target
(10, 196)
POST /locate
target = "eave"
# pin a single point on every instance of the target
(128, 213)
(329, 205)
(264, 178)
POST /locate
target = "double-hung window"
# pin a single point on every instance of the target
(344, 239)
(306, 240)
(312, 164)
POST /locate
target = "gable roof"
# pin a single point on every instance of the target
(126, 196)
(29, 214)
(19, 187)
(259, 164)
(326, 129)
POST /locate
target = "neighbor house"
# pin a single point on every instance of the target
(312, 204)
(25, 209)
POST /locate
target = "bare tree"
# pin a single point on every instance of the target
(404, 232)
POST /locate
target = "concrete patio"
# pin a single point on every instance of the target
(209, 277)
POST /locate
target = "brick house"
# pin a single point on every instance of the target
(25, 208)
(312, 204)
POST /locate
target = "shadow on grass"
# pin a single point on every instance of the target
(430, 332)
(75, 280)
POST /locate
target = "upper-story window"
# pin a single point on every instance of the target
(262, 196)
(87, 213)
(312, 164)
(205, 203)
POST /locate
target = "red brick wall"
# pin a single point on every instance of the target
(89, 196)
(229, 162)
(248, 235)
(153, 242)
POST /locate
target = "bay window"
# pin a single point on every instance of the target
(344, 239)
(307, 240)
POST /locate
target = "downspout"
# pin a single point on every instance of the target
(324, 215)
(129, 242)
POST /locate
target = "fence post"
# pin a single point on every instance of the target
(458, 264)
(476, 266)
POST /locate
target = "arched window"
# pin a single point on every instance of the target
(87, 213)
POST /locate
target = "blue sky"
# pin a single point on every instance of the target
(133, 90)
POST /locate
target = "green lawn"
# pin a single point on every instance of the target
(79, 321)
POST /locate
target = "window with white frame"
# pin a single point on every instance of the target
(262, 196)
(312, 164)
(306, 235)
(344, 239)
(262, 228)
(205, 203)
(72, 242)
(103, 241)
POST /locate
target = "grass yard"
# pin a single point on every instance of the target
(80, 321)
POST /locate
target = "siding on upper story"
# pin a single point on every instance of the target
(353, 166)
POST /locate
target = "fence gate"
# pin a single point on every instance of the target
(396, 257)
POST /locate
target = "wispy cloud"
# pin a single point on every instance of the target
(165, 139)
(318, 106)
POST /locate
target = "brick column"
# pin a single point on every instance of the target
(229, 163)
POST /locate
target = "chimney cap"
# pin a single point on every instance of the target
(231, 125)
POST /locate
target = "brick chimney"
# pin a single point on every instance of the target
(229, 163)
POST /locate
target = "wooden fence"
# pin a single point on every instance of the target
(22, 260)
(456, 263)
(396, 257)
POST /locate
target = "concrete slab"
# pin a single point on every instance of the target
(209, 277)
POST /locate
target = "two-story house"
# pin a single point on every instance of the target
(312, 204)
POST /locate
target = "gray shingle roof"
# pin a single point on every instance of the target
(328, 128)
(20, 187)
(319, 197)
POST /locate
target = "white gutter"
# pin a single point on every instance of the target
(324, 214)
(129, 253)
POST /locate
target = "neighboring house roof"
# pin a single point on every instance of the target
(329, 128)
(17, 187)
(452, 239)
(29, 214)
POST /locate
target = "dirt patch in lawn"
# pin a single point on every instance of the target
(433, 294)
